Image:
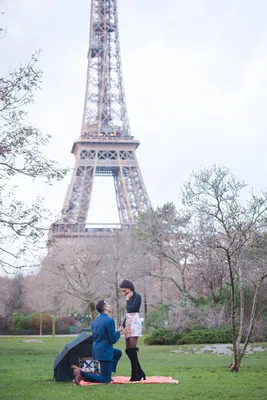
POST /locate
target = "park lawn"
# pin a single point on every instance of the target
(27, 371)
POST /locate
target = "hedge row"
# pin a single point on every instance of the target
(191, 336)
(29, 324)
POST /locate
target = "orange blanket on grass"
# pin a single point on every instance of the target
(125, 379)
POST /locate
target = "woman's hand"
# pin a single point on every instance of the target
(129, 295)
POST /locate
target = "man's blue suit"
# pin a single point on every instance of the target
(104, 336)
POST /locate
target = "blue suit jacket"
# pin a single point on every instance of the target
(104, 336)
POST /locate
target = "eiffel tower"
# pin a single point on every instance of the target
(105, 146)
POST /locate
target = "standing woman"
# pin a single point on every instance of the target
(133, 328)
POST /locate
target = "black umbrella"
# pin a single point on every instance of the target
(79, 347)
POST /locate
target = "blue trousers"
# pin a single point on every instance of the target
(107, 367)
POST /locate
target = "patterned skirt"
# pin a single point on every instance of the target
(133, 325)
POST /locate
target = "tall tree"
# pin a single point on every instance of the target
(76, 268)
(14, 300)
(21, 155)
(232, 227)
(167, 236)
(124, 259)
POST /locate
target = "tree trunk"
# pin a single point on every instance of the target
(145, 302)
(54, 324)
(41, 324)
(252, 314)
(161, 273)
(235, 365)
(54, 318)
(241, 308)
(240, 354)
(117, 310)
(92, 310)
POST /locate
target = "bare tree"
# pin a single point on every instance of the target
(5, 288)
(169, 241)
(14, 301)
(253, 273)
(124, 258)
(77, 270)
(210, 269)
(92, 268)
(21, 146)
(42, 295)
(231, 226)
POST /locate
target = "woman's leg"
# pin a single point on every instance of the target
(131, 351)
(131, 342)
(140, 371)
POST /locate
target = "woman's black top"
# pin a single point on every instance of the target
(134, 303)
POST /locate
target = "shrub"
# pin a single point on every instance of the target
(259, 332)
(83, 319)
(69, 321)
(19, 322)
(197, 336)
(63, 325)
(34, 322)
(5, 326)
(190, 336)
(157, 319)
(163, 337)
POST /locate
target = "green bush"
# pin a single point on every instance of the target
(19, 322)
(156, 319)
(190, 336)
(29, 324)
(198, 336)
(161, 336)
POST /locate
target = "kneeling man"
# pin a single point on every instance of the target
(104, 336)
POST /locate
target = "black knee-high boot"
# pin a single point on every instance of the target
(131, 353)
(137, 373)
(140, 371)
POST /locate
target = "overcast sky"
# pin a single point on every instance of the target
(195, 75)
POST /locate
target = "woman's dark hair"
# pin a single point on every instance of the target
(100, 306)
(127, 285)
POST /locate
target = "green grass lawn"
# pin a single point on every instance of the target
(27, 369)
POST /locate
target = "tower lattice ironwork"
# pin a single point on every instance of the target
(106, 146)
